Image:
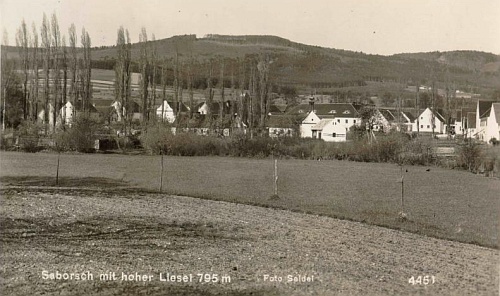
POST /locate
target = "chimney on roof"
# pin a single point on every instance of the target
(311, 103)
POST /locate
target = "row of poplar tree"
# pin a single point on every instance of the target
(49, 71)
(247, 79)
(60, 64)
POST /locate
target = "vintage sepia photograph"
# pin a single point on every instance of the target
(230, 147)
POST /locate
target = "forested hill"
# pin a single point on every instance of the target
(471, 60)
(317, 67)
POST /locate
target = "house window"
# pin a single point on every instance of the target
(421, 117)
(332, 112)
(334, 135)
(347, 112)
(338, 120)
(354, 121)
(319, 135)
(428, 126)
(347, 121)
(421, 126)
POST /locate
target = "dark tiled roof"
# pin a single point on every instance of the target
(409, 115)
(387, 114)
(103, 106)
(338, 110)
(438, 115)
(79, 107)
(471, 119)
(277, 109)
(215, 107)
(484, 106)
(281, 121)
(183, 107)
(298, 109)
(172, 104)
(463, 113)
(497, 112)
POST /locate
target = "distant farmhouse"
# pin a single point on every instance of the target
(165, 111)
(493, 124)
(431, 120)
(386, 120)
(67, 111)
(487, 121)
(330, 122)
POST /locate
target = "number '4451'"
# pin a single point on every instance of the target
(422, 280)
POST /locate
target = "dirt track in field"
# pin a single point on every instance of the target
(79, 230)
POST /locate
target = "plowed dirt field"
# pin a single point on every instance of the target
(240, 249)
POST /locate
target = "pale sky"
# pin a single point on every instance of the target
(376, 27)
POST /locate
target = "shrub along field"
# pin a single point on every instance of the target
(449, 204)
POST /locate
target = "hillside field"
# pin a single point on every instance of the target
(443, 203)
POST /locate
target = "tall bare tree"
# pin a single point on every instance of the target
(176, 82)
(417, 107)
(73, 67)
(242, 97)
(64, 65)
(35, 64)
(221, 85)
(120, 76)
(180, 88)
(86, 72)
(164, 82)
(233, 94)
(253, 92)
(433, 103)
(45, 34)
(56, 49)
(190, 82)
(7, 75)
(210, 93)
(22, 41)
(143, 65)
(263, 72)
(154, 67)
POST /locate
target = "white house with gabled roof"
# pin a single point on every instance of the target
(330, 122)
(306, 126)
(427, 119)
(482, 111)
(330, 130)
(492, 130)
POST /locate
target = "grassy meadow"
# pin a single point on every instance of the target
(443, 203)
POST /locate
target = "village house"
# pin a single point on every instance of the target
(492, 130)
(385, 120)
(482, 113)
(281, 126)
(430, 121)
(202, 108)
(66, 113)
(165, 111)
(330, 122)
(105, 108)
(470, 125)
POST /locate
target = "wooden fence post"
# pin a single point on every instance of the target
(275, 176)
(161, 173)
(57, 170)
